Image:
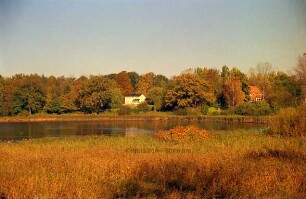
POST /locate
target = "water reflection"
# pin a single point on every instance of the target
(27, 130)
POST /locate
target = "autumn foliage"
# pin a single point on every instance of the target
(228, 89)
(233, 91)
(182, 133)
(124, 82)
(189, 91)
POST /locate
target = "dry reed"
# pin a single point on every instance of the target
(226, 165)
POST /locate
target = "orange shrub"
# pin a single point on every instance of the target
(185, 133)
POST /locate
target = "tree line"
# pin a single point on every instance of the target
(198, 88)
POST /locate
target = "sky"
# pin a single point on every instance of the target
(90, 37)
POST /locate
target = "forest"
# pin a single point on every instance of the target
(193, 91)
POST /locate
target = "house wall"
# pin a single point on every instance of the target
(129, 99)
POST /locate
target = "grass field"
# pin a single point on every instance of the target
(224, 165)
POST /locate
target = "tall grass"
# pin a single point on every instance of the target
(289, 122)
(225, 165)
(182, 133)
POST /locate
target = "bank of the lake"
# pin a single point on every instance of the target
(234, 164)
(153, 116)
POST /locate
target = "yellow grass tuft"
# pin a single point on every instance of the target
(182, 133)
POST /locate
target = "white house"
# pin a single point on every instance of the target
(134, 99)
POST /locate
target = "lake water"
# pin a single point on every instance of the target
(29, 130)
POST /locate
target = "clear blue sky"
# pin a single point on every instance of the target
(82, 37)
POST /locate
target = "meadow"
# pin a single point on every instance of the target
(233, 164)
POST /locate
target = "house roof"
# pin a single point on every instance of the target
(134, 95)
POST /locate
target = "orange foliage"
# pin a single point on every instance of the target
(233, 91)
(124, 82)
(181, 133)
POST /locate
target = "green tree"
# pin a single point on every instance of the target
(134, 77)
(53, 104)
(30, 96)
(213, 78)
(160, 81)
(156, 94)
(111, 76)
(235, 72)
(189, 91)
(99, 93)
(225, 73)
(284, 91)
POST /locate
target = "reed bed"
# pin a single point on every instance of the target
(224, 165)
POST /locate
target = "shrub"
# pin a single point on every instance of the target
(125, 110)
(188, 111)
(24, 113)
(204, 109)
(258, 108)
(144, 107)
(180, 133)
(181, 111)
(289, 122)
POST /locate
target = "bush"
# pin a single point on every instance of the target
(181, 111)
(258, 108)
(125, 110)
(188, 111)
(204, 109)
(289, 122)
(24, 113)
(180, 133)
(144, 107)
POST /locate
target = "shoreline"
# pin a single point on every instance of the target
(84, 118)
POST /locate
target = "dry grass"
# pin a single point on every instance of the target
(289, 122)
(182, 133)
(225, 165)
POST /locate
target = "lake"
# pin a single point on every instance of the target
(29, 130)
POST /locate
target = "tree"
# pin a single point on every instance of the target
(124, 82)
(156, 94)
(2, 94)
(160, 81)
(30, 96)
(111, 76)
(69, 101)
(284, 91)
(53, 101)
(99, 93)
(233, 91)
(235, 72)
(260, 77)
(10, 86)
(225, 72)
(53, 104)
(301, 73)
(189, 91)
(145, 83)
(213, 78)
(134, 77)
